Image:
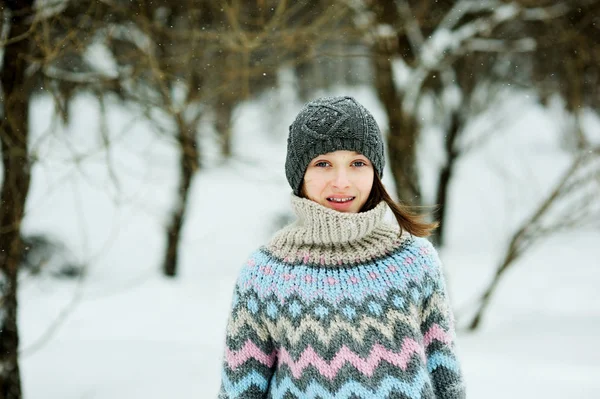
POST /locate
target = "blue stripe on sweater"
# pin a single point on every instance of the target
(239, 387)
(439, 359)
(353, 388)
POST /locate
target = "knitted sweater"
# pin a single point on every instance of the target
(339, 305)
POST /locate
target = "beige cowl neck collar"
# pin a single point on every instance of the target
(323, 236)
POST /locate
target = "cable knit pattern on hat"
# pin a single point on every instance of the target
(339, 306)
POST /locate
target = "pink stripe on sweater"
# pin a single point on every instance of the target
(249, 351)
(436, 332)
(366, 366)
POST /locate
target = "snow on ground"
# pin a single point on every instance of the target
(130, 333)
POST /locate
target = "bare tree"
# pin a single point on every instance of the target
(14, 132)
(32, 48)
(417, 49)
(180, 60)
(177, 60)
(572, 203)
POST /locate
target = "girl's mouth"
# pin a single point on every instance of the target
(340, 200)
(340, 203)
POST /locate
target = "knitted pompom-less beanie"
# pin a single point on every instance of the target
(330, 124)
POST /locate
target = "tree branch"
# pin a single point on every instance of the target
(413, 30)
(446, 43)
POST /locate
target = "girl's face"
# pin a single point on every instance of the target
(340, 180)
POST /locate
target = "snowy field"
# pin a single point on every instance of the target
(127, 332)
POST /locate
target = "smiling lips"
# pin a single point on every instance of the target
(340, 200)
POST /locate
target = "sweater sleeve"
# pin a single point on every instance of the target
(437, 327)
(249, 356)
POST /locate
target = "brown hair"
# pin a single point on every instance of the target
(406, 216)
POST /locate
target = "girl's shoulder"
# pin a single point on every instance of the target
(416, 241)
(253, 264)
(420, 253)
(260, 265)
(418, 248)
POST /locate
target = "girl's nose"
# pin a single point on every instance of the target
(340, 179)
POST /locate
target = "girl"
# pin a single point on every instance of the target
(341, 304)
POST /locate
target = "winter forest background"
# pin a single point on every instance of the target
(143, 147)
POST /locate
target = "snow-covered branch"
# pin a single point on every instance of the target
(464, 7)
(413, 30)
(500, 46)
(63, 75)
(449, 39)
(545, 13)
(363, 17)
(445, 41)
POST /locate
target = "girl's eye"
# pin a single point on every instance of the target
(321, 164)
(359, 163)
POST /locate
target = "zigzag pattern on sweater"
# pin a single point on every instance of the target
(412, 389)
(387, 386)
(366, 366)
(344, 355)
(436, 304)
(253, 378)
(248, 351)
(442, 360)
(242, 319)
(293, 331)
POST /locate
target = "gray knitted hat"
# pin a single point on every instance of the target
(330, 124)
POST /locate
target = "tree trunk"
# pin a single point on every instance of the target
(223, 113)
(402, 129)
(14, 130)
(188, 165)
(510, 257)
(446, 176)
(518, 245)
